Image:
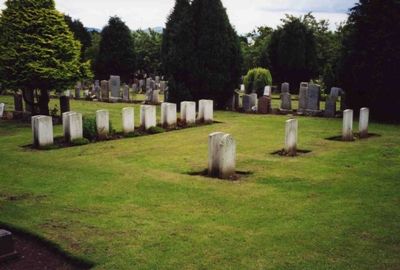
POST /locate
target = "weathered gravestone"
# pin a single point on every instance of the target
(68, 93)
(363, 123)
(291, 137)
(334, 93)
(168, 115)
(206, 111)
(152, 85)
(162, 86)
(42, 130)
(7, 250)
(96, 83)
(115, 85)
(166, 93)
(155, 99)
(75, 129)
(188, 112)
(347, 132)
(264, 105)
(128, 120)
(246, 102)
(135, 89)
(157, 79)
(267, 91)
(148, 116)
(2, 105)
(330, 108)
(105, 90)
(221, 155)
(253, 100)
(285, 87)
(125, 92)
(303, 97)
(65, 121)
(149, 95)
(286, 102)
(77, 93)
(313, 97)
(97, 91)
(103, 124)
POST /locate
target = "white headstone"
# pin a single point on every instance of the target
(66, 129)
(2, 105)
(363, 123)
(75, 126)
(214, 140)
(253, 100)
(188, 112)
(42, 129)
(125, 94)
(149, 116)
(103, 124)
(128, 120)
(267, 91)
(156, 96)
(347, 133)
(206, 110)
(242, 87)
(35, 130)
(227, 159)
(168, 114)
(291, 137)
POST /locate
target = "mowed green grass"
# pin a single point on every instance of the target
(131, 203)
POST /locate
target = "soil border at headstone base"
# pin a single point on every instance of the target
(234, 178)
(282, 153)
(356, 137)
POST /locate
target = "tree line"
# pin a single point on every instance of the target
(202, 56)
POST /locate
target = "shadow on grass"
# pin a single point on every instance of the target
(356, 137)
(204, 173)
(283, 154)
(74, 261)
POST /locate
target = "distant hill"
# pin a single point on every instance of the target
(158, 29)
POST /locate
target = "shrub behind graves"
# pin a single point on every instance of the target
(256, 79)
(89, 127)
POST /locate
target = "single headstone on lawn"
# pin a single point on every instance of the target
(286, 101)
(313, 97)
(42, 128)
(285, 87)
(18, 104)
(64, 104)
(135, 89)
(303, 96)
(75, 126)
(77, 93)
(264, 105)
(253, 100)
(65, 121)
(330, 108)
(347, 133)
(267, 91)
(168, 115)
(103, 124)
(148, 80)
(128, 120)
(227, 157)
(246, 102)
(105, 90)
(334, 93)
(126, 92)
(155, 96)
(363, 123)
(188, 112)
(148, 116)
(214, 139)
(206, 111)
(242, 87)
(7, 250)
(2, 105)
(115, 86)
(291, 137)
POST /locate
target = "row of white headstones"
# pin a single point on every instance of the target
(42, 126)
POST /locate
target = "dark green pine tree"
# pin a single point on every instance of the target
(370, 63)
(217, 56)
(177, 51)
(80, 33)
(116, 51)
(38, 52)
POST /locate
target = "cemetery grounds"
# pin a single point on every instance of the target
(140, 203)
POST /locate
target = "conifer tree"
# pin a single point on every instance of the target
(38, 52)
(80, 33)
(116, 51)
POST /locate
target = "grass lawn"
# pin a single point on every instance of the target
(132, 203)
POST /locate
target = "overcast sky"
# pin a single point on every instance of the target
(243, 15)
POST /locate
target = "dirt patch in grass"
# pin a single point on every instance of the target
(204, 173)
(283, 154)
(356, 137)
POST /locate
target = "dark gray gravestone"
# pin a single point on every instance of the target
(246, 102)
(134, 88)
(330, 108)
(236, 100)
(303, 96)
(313, 97)
(334, 93)
(286, 101)
(126, 92)
(105, 90)
(77, 93)
(115, 85)
(97, 91)
(18, 106)
(6, 246)
(285, 87)
(264, 105)
(96, 83)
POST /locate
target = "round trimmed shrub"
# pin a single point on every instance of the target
(256, 79)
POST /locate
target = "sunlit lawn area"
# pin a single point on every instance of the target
(132, 203)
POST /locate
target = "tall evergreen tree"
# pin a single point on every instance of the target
(116, 51)
(370, 63)
(80, 33)
(38, 52)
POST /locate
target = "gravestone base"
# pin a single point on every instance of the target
(284, 112)
(114, 99)
(18, 115)
(314, 113)
(6, 246)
